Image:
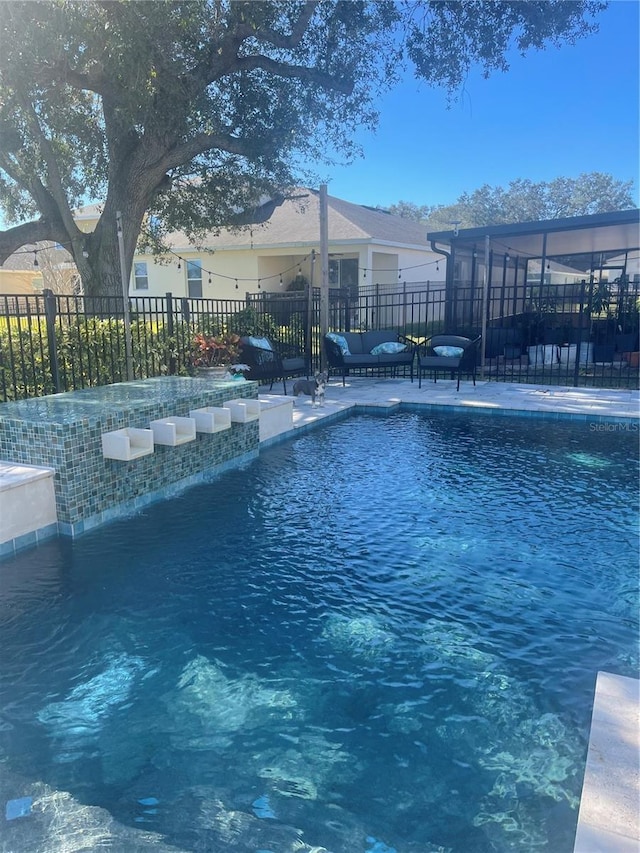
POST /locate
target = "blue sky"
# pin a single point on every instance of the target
(555, 113)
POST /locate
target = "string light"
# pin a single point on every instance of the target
(365, 270)
(278, 275)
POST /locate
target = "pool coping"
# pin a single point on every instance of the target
(609, 816)
(603, 409)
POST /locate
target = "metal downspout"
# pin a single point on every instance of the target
(448, 280)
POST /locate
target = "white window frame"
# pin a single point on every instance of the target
(193, 265)
(140, 281)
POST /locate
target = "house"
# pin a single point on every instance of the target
(18, 275)
(367, 247)
(36, 267)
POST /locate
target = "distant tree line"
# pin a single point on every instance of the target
(524, 201)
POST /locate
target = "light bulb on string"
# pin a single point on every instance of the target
(280, 281)
(236, 284)
(399, 274)
(35, 259)
(258, 284)
(437, 266)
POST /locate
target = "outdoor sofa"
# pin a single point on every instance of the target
(379, 349)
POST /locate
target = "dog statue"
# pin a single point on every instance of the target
(313, 388)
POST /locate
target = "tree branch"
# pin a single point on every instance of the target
(26, 233)
(202, 142)
(56, 190)
(298, 72)
(297, 32)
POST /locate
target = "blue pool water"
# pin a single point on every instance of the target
(382, 636)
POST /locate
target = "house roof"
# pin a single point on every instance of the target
(296, 222)
(618, 230)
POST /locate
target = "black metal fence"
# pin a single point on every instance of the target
(576, 335)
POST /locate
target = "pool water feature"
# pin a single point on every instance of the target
(382, 636)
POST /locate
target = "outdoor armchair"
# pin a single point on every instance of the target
(451, 354)
(269, 361)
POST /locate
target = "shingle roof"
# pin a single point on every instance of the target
(297, 221)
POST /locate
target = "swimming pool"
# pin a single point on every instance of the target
(382, 636)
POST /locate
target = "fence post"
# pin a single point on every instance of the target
(576, 363)
(170, 330)
(50, 312)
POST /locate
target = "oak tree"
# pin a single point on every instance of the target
(189, 113)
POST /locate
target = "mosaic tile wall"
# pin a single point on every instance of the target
(64, 431)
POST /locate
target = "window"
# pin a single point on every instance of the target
(140, 276)
(344, 273)
(194, 279)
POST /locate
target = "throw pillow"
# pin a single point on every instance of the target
(260, 343)
(342, 343)
(449, 352)
(388, 347)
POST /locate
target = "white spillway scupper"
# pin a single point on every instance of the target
(173, 431)
(243, 411)
(211, 419)
(127, 444)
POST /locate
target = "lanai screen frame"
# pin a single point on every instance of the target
(510, 248)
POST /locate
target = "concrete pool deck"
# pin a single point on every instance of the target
(500, 398)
